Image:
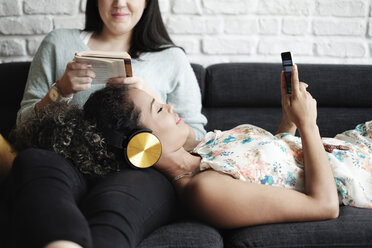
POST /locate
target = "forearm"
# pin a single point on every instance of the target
(319, 181)
(42, 104)
(30, 107)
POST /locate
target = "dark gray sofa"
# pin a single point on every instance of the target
(237, 93)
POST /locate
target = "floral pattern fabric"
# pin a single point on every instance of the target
(252, 154)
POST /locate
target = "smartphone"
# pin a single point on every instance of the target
(287, 68)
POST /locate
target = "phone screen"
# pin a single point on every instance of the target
(287, 67)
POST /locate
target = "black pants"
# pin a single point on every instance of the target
(52, 200)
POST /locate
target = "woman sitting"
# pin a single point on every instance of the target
(282, 178)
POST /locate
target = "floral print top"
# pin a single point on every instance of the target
(252, 154)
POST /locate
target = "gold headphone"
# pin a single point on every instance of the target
(142, 149)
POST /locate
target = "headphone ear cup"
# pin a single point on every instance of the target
(143, 149)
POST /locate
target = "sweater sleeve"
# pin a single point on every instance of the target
(40, 77)
(186, 96)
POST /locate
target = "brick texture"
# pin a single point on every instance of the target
(341, 49)
(342, 8)
(187, 7)
(50, 7)
(10, 8)
(12, 47)
(346, 27)
(214, 31)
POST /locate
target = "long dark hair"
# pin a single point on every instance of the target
(77, 134)
(149, 35)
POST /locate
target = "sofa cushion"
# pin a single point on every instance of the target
(237, 93)
(199, 71)
(331, 121)
(242, 85)
(13, 81)
(5, 208)
(352, 229)
(258, 85)
(339, 85)
(184, 235)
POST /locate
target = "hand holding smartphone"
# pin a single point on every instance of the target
(287, 68)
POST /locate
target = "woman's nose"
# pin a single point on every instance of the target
(170, 108)
(120, 3)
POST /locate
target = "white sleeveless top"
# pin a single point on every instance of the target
(85, 36)
(252, 154)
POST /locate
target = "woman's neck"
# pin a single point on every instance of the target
(107, 41)
(190, 163)
(183, 174)
(179, 162)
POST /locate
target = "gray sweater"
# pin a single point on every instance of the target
(168, 73)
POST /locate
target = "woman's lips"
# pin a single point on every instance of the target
(179, 120)
(119, 15)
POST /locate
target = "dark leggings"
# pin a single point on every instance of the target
(52, 200)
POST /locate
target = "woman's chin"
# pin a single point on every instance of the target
(119, 28)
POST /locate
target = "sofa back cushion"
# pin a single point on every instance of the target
(237, 93)
(13, 81)
(258, 85)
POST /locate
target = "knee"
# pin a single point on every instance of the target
(137, 187)
(133, 201)
(35, 164)
(34, 157)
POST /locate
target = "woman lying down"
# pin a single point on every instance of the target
(239, 177)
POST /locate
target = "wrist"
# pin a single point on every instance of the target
(55, 95)
(287, 124)
(61, 90)
(308, 128)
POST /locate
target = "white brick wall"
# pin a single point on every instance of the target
(213, 31)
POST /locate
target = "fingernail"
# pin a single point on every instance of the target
(89, 66)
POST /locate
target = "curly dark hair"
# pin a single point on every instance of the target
(111, 109)
(78, 134)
